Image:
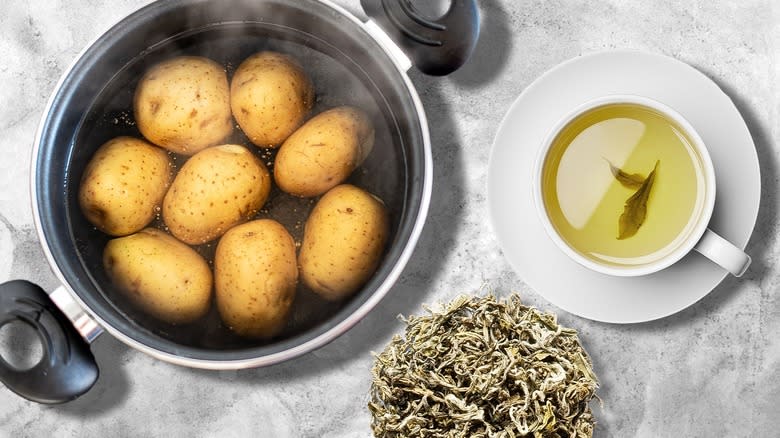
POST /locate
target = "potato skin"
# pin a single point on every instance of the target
(323, 152)
(255, 276)
(124, 184)
(183, 104)
(270, 95)
(165, 277)
(343, 242)
(217, 188)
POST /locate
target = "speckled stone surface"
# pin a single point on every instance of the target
(712, 370)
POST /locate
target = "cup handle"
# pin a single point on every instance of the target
(723, 252)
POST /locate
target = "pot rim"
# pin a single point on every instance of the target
(311, 344)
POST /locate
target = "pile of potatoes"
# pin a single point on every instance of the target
(187, 106)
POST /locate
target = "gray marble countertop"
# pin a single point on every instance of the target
(710, 370)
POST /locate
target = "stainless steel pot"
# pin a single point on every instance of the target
(352, 61)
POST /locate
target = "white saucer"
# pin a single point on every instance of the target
(543, 265)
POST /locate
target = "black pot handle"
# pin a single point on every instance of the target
(67, 368)
(437, 47)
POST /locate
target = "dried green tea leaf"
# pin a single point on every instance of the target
(635, 209)
(480, 367)
(628, 180)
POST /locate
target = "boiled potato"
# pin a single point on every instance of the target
(165, 277)
(343, 242)
(255, 277)
(270, 95)
(323, 152)
(217, 188)
(183, 104)
(124, 184)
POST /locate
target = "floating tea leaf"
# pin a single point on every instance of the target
(635, 210)
(483, 368)
(628, 180)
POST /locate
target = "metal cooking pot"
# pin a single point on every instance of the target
(361, 63)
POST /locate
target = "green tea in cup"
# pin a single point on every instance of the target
(623, 184)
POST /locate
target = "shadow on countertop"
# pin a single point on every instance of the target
(764, 234)
(491, 55)
(112, 387)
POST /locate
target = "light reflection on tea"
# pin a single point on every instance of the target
(622, 185)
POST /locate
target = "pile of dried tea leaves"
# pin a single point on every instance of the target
(483, 368)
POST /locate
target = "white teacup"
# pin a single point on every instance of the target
(699, 237)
